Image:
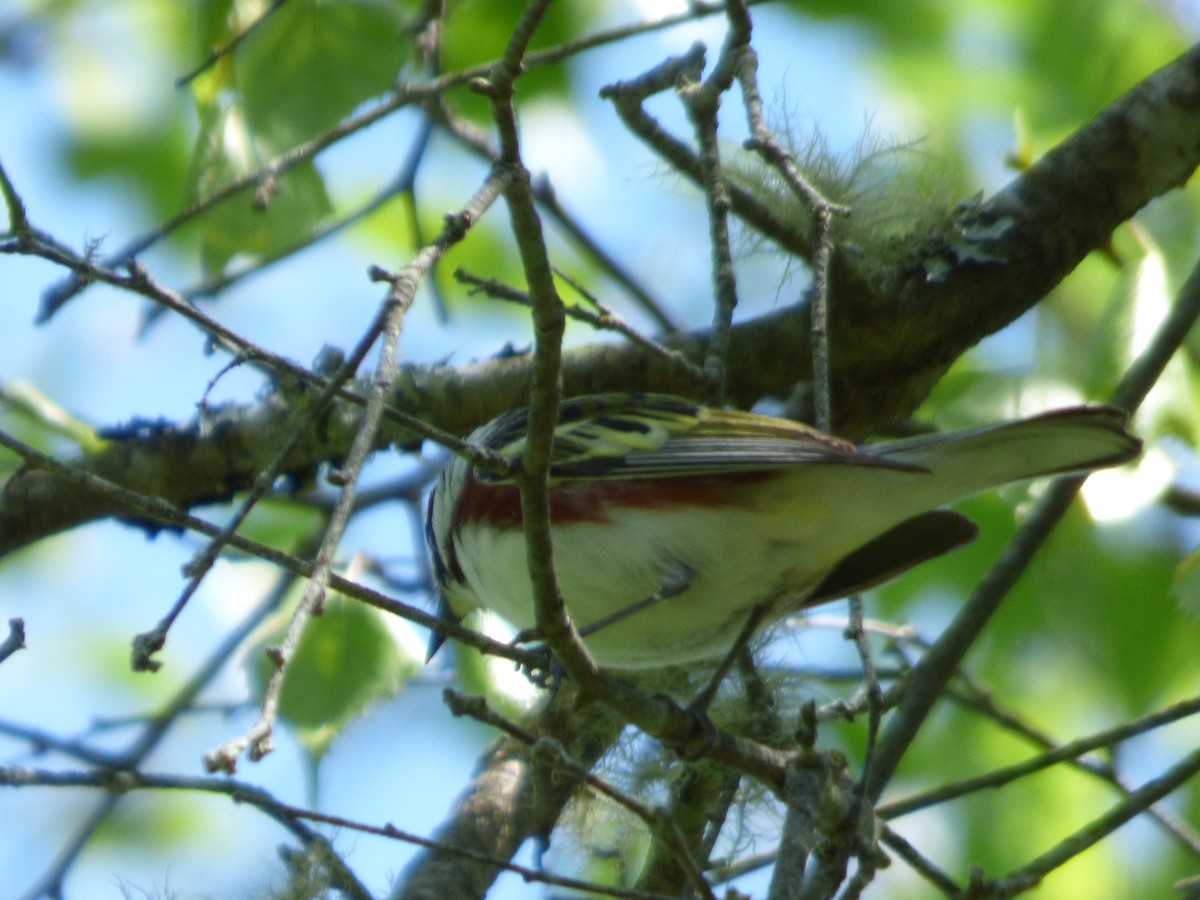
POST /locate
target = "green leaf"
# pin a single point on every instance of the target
(152, 824)
(923, 22)
(225, 151)
(46, 419)
(280, 522)
(477, 31)
(347, 659)
(314, 61)
(150, 157)
(1106, 594)
(1186, 584)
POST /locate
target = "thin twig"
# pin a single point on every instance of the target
(919, 863)
(400, 185)
(551, 753)
(400, 298)
(481, 144)
(15, 640)
(604, 320)
(1184, 835)
(702, 99)
(291, 817)
(155, 509)
(1135, 804)
(229, 46)
(54, 298)
(822, 211)
(147, 644)
(628, 98)
(1068, 751)
(141, 282)
(551, 617)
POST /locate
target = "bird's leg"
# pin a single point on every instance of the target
(704, 699)
(698, 708)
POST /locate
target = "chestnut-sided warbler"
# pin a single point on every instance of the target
(672, 523)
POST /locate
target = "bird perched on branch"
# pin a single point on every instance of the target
(674, 523)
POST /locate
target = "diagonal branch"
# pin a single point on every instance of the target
(931, 675)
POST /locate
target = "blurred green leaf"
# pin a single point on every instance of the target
(314, 61)
(347, 660)
(226, 151)
(152, 159)
(279, 522)
(477, 31)
(22, 398)
(1125, 39)
(1186, 584)
(150, 823)
(1107, 595)
(925, 23)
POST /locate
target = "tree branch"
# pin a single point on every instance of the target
(892, 344)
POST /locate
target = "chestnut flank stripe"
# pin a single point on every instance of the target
(499, 505)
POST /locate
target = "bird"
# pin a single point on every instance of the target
(673, 523)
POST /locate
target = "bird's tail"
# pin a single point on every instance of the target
(1076, 439)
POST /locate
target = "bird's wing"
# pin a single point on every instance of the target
(661, 436)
